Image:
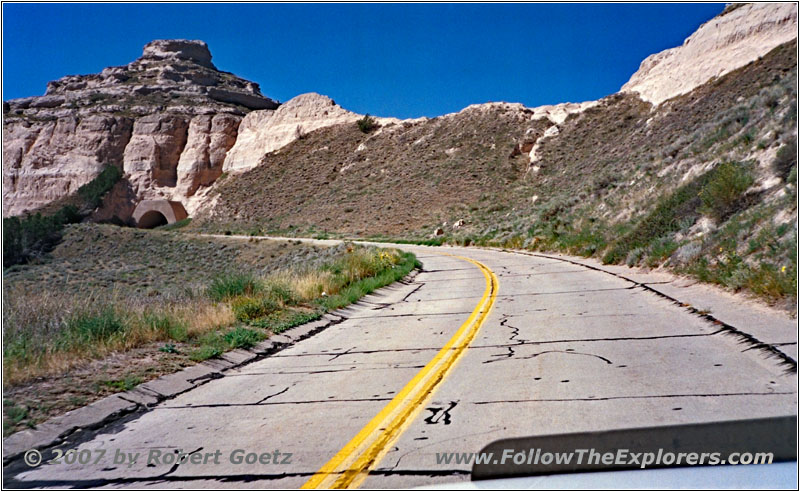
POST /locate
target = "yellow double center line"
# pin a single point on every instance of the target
(351, 465)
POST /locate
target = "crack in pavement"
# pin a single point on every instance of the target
(177, 465)
(639, 397)
(323, 371)
(301, 402)
(341, 354)
(568, 352)
(525, 294)
(609, 339)
(405, 299)
(770, 351)
(432, 444)
(502, 345)
(510, 347)
(522, 341)
(284, 390)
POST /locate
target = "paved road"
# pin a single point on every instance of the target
(548, 347)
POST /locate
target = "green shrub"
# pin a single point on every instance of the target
(668, 216)
(280, 292)
(205, 352)
(211, 345)
(660, 250)
(166, 325)
(125, 384)
(92, 192)
(233, 284)
(243, 337)
(770, 281)
(283, 323)
(31, 236)
(253, 308)
(85, 328)
(721, 194)
(367, 123)
(786, 159)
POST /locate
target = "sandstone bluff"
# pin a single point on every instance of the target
(170, 119)
(174, 123)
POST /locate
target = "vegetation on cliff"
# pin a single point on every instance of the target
(31, 236)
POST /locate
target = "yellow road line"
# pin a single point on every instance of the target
(350, 466)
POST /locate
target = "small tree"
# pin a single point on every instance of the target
(367, 123)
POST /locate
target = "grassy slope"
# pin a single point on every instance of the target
(600, 178)
(405, 179)
(113, 307)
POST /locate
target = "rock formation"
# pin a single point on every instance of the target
(264, 131)
(209, 140)
(174, 122)
(142, 117)
(44, 160)
(170, 120)
(741, 34)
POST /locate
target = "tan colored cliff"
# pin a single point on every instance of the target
(209, 140)
(167, 119)
(46, 160)
(265, 131)
(738, 36)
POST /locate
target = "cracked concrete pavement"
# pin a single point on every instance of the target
(566, 348)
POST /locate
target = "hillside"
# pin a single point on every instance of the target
(592, 180)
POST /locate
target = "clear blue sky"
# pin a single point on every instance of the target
(403, 60)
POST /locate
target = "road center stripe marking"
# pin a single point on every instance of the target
(350, 466)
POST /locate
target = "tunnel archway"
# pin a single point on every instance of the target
(153, 213)
(152, 219)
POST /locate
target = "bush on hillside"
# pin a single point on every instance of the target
(723, 190)
(367, 123)
(786, 159)
(31, 236)
(92, 192)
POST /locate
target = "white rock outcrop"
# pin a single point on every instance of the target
(725, 43)
(558, 113)
(207, 144)
(137, 117)
(152, 155)
(265, 131)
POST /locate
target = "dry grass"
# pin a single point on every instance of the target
(308, 285)
(64, 347)
(51, 332)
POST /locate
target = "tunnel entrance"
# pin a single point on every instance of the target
(153, 213)
(152, 219)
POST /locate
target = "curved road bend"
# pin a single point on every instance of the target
(481, 346)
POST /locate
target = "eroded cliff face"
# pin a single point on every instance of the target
(46, 160)
(738, 36)
(175, 124)
(167, 119)
(209, 140)
(170, 120)
(265, 131)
